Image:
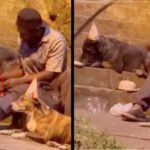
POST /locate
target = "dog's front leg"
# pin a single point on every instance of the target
(96, 64)
(36, 137)
(21, 135)
(107, 65)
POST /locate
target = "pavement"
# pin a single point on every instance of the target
(128, 134)
(8, 143)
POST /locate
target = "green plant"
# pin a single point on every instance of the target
(87, 137)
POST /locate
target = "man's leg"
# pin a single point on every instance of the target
(10, 96)
(64, 83)
(66, 93)
(141, 103)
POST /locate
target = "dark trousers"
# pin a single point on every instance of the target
(57, 97)
(143, 95)
(10, 96)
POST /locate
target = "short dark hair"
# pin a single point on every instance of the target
(29, 18)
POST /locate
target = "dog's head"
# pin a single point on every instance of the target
(90, 53)
(108, 47)
(25, 104)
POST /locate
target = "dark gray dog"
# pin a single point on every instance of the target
(8, 62)
(122, 56)
(7, 56)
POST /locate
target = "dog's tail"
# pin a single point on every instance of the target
(147, 62)
(147, 47)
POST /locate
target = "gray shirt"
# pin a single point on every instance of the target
(50, 54)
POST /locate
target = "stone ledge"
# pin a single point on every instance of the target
(77, 53)
(136, 41)
(100, 96)
(105, 78)
(120, 11)
(115, 27)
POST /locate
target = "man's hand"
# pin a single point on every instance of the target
(9, 83)
(45, 76)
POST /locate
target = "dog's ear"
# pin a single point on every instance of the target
(36, 102)
(35, 99)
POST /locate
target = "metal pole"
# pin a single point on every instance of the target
(93, 16)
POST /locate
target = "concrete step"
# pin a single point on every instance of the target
(117, 28)
(123, 11)
(144, 4)
(77, 53)
(104, 78)
(96, 99)
(116, 20)
(101, 98)
(83, 35)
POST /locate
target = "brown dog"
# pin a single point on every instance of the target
(122, 56)
(43, 124)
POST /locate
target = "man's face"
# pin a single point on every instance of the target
(29, 35)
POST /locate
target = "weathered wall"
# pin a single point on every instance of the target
(47, 8)
(127, 20)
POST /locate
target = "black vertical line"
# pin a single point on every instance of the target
(72, 74)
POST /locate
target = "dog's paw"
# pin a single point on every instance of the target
(96, 64)
(107, 65)
(144, 124)
(78, 64)
(18, 135)
(57, 145)
(140, 73)
(6, 132)
(62, 147)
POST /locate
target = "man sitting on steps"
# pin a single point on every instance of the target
(42, 55)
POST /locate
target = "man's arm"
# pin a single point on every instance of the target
(44, 75)
(18, 72)
(55, 64)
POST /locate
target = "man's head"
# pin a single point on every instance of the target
(29, 24)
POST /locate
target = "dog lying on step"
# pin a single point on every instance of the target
(43, 124)
(116, 54)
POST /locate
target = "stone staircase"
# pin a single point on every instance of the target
(100, 85)
(125, 20)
